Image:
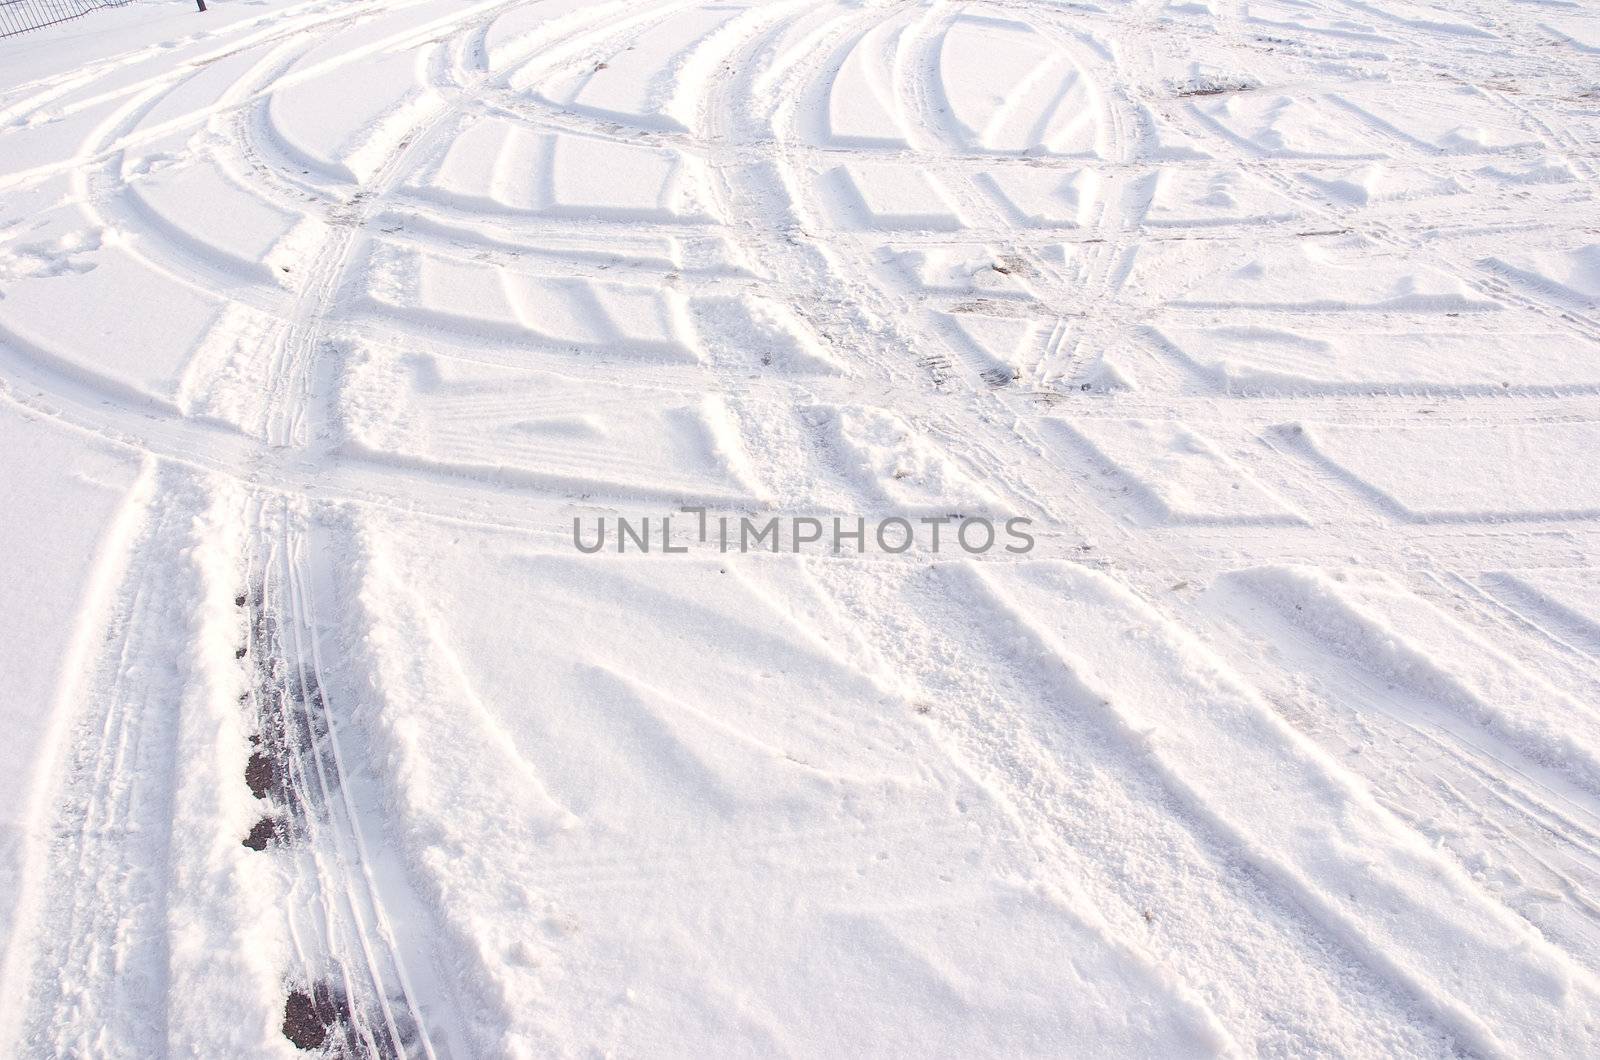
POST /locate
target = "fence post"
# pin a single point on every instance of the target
(201, 4)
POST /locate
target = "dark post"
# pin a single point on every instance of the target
(201, 4)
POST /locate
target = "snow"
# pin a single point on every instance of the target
(1472, 471)
(1181, 475)
(330, 328)
(77, 490)
(886, 195)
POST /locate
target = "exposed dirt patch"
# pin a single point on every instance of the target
(1211, 85)
(311, 1020)
(263, 834)
(263, 776)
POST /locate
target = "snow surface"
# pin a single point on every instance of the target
(321, 322)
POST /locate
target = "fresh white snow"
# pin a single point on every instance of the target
(331, 331)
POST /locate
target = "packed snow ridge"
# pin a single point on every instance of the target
(332, 332)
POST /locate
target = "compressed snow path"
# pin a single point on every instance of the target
(321, 322)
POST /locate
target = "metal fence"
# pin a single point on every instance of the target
(19, 16)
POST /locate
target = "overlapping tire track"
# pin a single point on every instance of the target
(351, 968)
